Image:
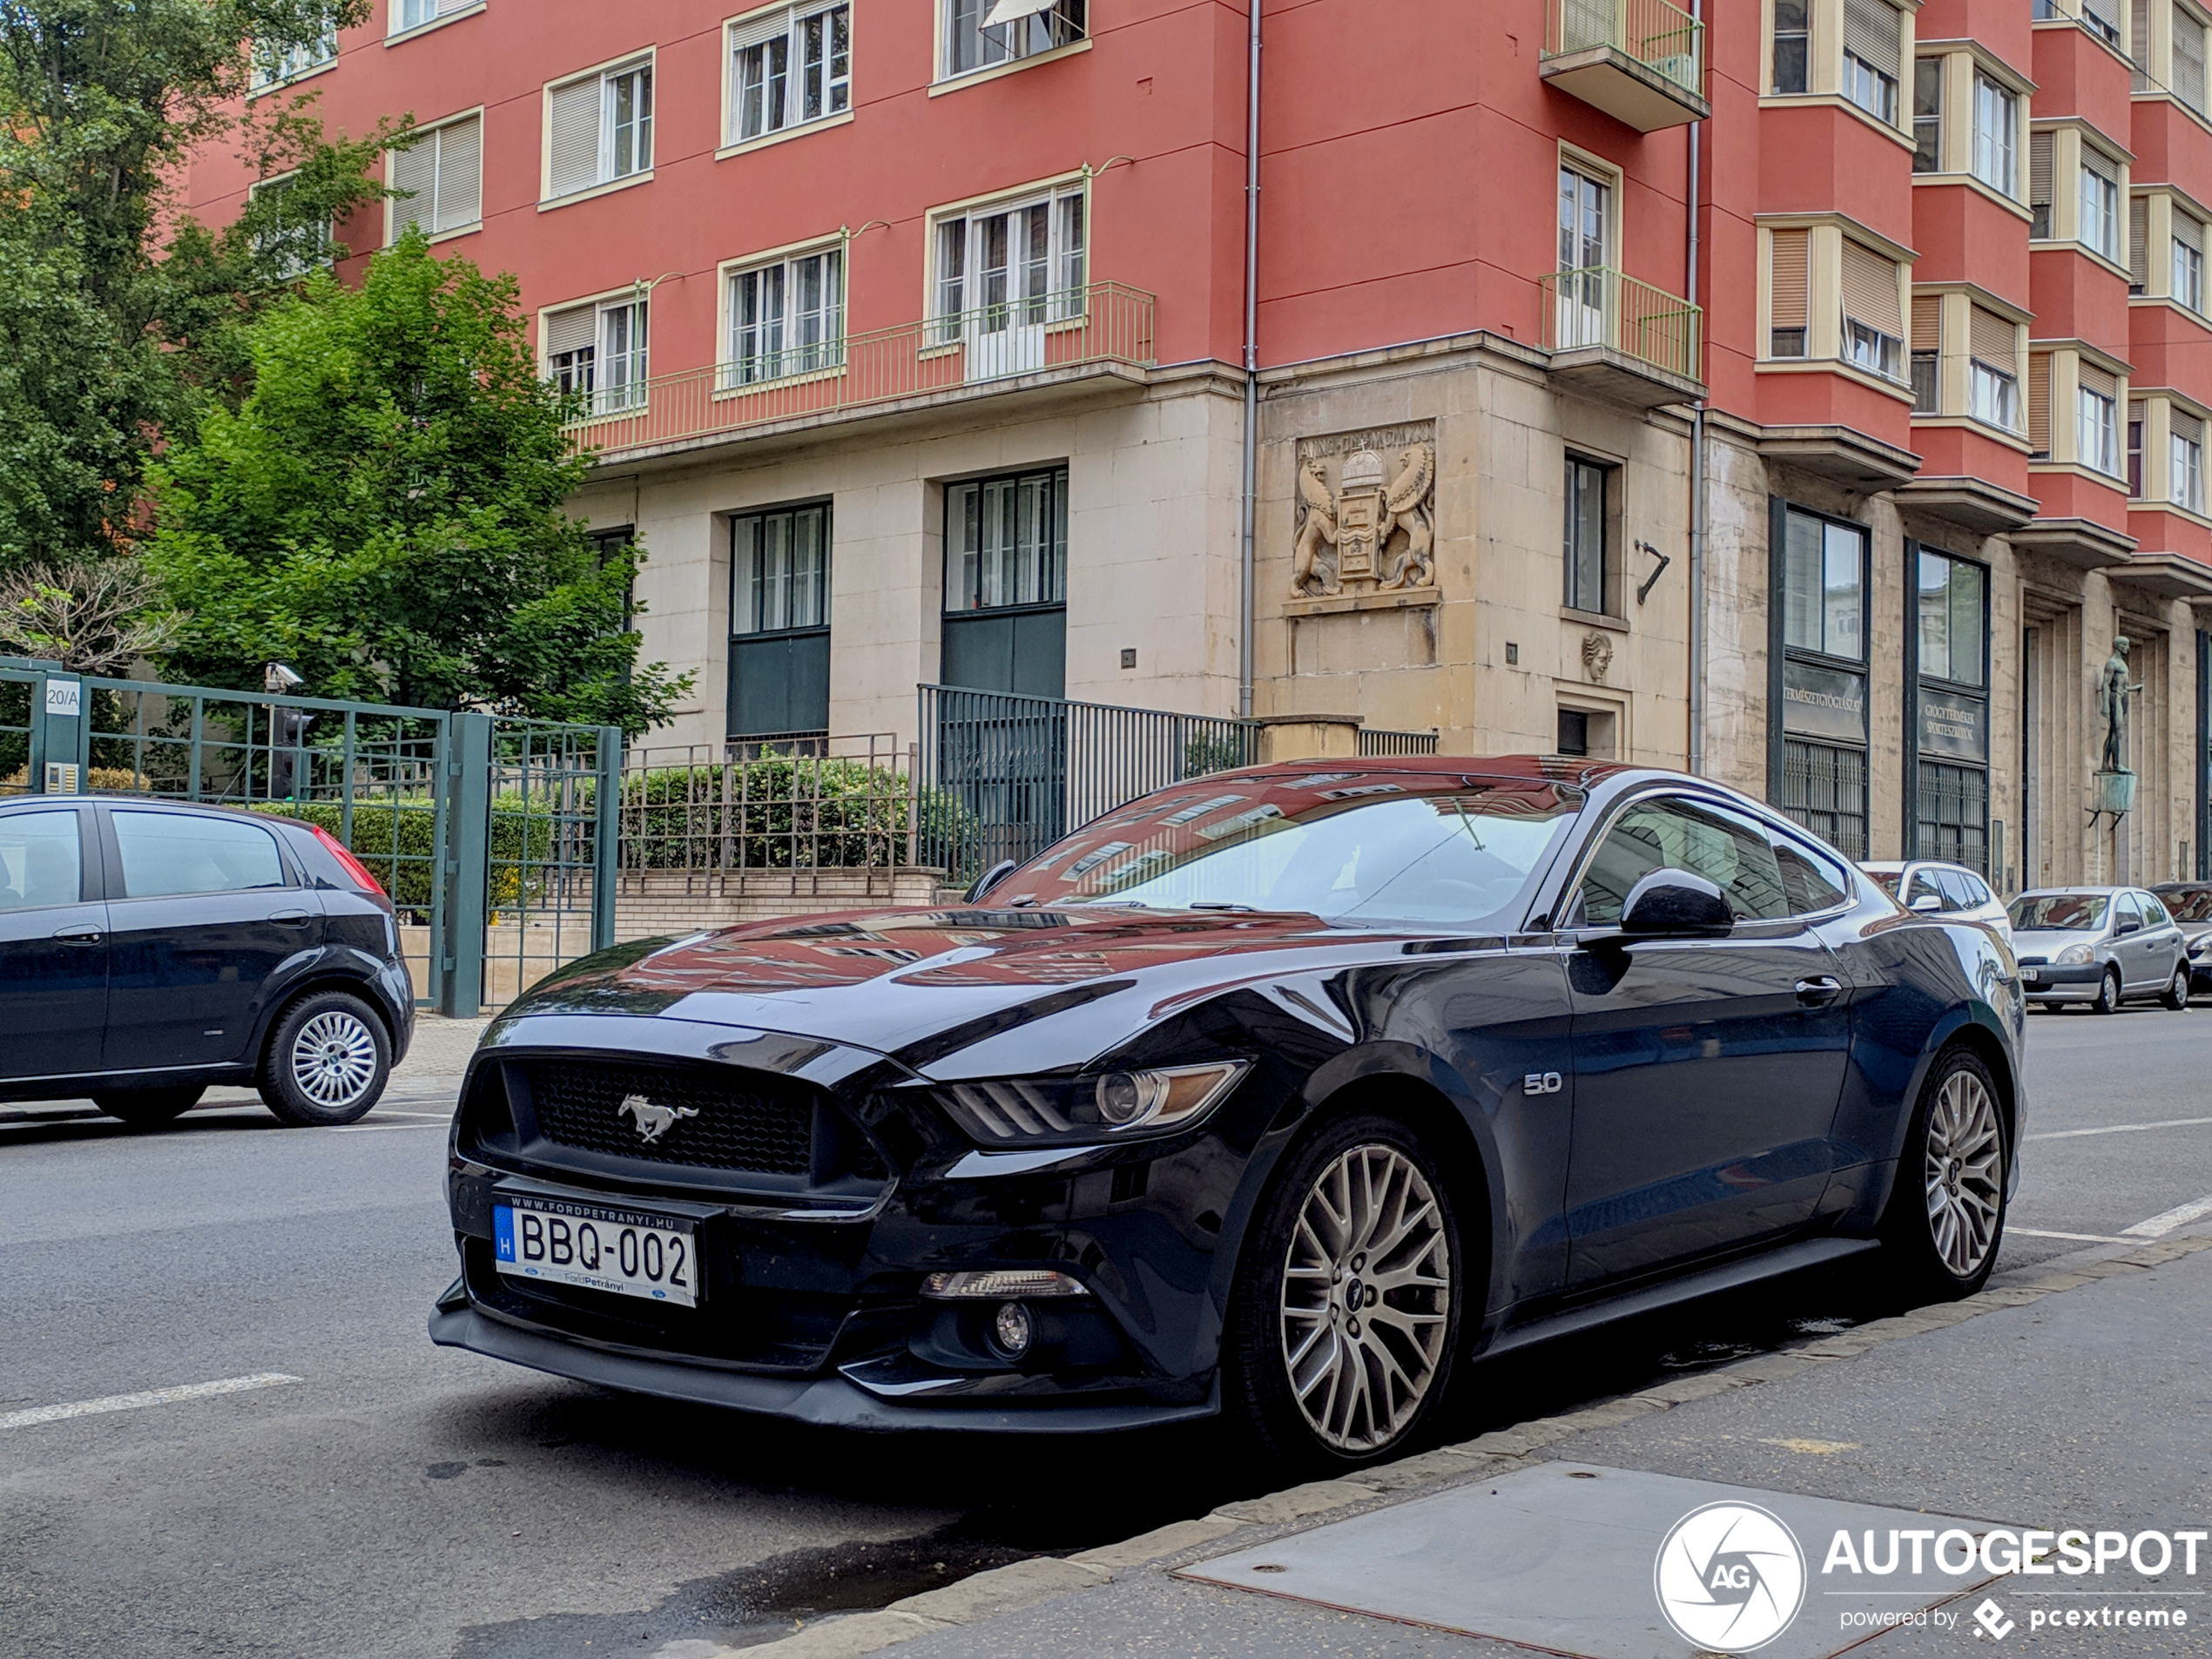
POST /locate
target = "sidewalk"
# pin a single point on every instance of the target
(1547, 1533)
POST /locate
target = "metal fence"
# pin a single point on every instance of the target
(1663, 38)
(1375, 744)
(1099, 323)
(1599, 306)
(1001, 776)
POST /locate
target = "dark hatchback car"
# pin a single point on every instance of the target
(149, 951)
(2190, 904)
(1278, 1094)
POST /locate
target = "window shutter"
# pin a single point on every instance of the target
(2139, 42)
(2039, 403)
(2189, 60)
(2098, 162)
(1993, 340)
(2039, 170)
(2107, 13)
(1792, 254)
(461, 174)
(2139, 242)
(572, 147)
(2099, 381)
(1927, 322)
(768, 26)
(1870, 290)
(2185, 425)
(569, 330)
(413, 168)
(1874, 33)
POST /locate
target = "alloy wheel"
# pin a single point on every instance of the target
(334, 1059)
(1367, 1297)
(1963, 1173)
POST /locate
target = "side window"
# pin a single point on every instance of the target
(41, 861)
(168, 854)
(1810, 884)
(2154, 913)
(1732, 853)
(1924, 886)
(1958, 889)
(2125, 910)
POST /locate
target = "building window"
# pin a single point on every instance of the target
(2101, 203)
(1573, 732)
(1926, 369)
(1951, 733)
(2188, 262)
(1824, 586)
(1588, 531)
(294, 246)
(2188, 58)
(1006, 562)
(1789, 302)
(1953, 619)
(1819, 685)
(1996, 136)
(1006, 271)
(600, 129)
(442, 171)
(2101, 18)
(789, 68)
(981, 33)
(1873, 319)
(2097, 431)
(414, 14)
(272, 66)
(1927, 115)
(1873, 49)
(2039, 185)
(787, 318)
(2185, 459)
(1585, 215)
(1995, 396)
(1792, 44)
(779, 589)
(597, 352)
(2136, 409)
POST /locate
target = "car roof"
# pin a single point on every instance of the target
(201, 809)
(2086, 889)
(1885, 867)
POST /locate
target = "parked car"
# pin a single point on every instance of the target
(1931, 887)
(1282, 1094)
(2190, 904)
(150, 950)
(2098, 947)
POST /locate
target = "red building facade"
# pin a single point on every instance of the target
(1809, 391)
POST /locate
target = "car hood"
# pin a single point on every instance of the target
(960, 992)
(2049, 942)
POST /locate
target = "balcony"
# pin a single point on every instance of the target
(1102, 331)
(1616, 338)
(1642, 61)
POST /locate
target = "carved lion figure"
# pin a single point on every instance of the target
(1317, 529)
(1405, 506)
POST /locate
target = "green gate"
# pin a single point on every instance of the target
(494, 836)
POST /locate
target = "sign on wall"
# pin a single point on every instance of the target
(1953, 727)
(1824, 703)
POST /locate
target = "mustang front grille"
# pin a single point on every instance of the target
(717, 1118)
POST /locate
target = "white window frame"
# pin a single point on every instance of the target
(2185, 275)
(617, 339)
(267, 72)
(1996, 135)
(609, 76)
(1869, 349)
(1993, 396)
(296, 267)
(2184, 470)
(428, 15)
(2096, 434)
(754, 31)
(739, 369)
(432, 133)
(1013, 44)
(2089, 183)
(957, 294)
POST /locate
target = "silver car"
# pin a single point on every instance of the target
(2099, 946)
(1931, 886)
(2191, 903)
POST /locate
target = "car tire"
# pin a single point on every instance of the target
(2177, 994)
(1314, 1380)
(1945, 1220)
(327, 1062)
(149, 1107)
(2108, 998)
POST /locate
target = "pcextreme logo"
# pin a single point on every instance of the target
(1729, 1577)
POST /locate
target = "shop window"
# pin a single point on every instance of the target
(1588, 550)
(779, 635)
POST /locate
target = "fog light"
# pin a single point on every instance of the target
(1011, 1328)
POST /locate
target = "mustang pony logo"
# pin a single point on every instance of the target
(654, 1120)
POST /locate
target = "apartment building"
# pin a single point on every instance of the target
(1811, 392)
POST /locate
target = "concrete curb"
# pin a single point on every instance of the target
(1025, 1584)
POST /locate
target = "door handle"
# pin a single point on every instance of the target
(1818, 991)
(290, 918)
(79, 935)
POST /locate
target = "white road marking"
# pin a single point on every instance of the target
(2166, 1221)
(364, 1129)
(2120, 1129)
(150, 1396)
(2084, 1238)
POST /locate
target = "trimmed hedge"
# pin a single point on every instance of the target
(398, 843)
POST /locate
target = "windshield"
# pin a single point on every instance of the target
(1886, 879)
(1345, 846)
(2080, 912)
(2187, 904)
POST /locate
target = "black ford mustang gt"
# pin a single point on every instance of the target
(1280, 1093)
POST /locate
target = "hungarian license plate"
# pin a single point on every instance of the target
(630, 1252)
(2029, 976)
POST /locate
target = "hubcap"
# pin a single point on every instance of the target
(1366, 1296)
(1965, 1174)
(334, 1059)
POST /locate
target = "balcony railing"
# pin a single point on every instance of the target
(1102, 323)
(1659, 36)
(1601, 307)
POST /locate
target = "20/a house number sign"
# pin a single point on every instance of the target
(64, 697)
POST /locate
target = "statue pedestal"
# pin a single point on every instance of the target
(2115, 792)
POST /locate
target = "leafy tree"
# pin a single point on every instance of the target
(384, 511)
(95, 617)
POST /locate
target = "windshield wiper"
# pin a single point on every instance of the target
(1218, 904)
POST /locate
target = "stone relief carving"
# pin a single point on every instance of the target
(1372, 527)
(1597, 657)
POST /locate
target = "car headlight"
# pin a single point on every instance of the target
(2073, 953)
(2200, 946)
(1074, 1112)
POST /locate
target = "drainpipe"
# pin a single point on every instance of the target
(1697, 468)
(1245, 594)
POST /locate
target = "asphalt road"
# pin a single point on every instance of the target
(396, 1498)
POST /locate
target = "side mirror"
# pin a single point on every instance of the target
(2122, 927)
(990, 879)
(1927, 903)
(1673, 904)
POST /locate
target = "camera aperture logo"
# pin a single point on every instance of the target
(1729, 1577)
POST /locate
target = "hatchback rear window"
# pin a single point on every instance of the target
(2082, 912)
(168, 854)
